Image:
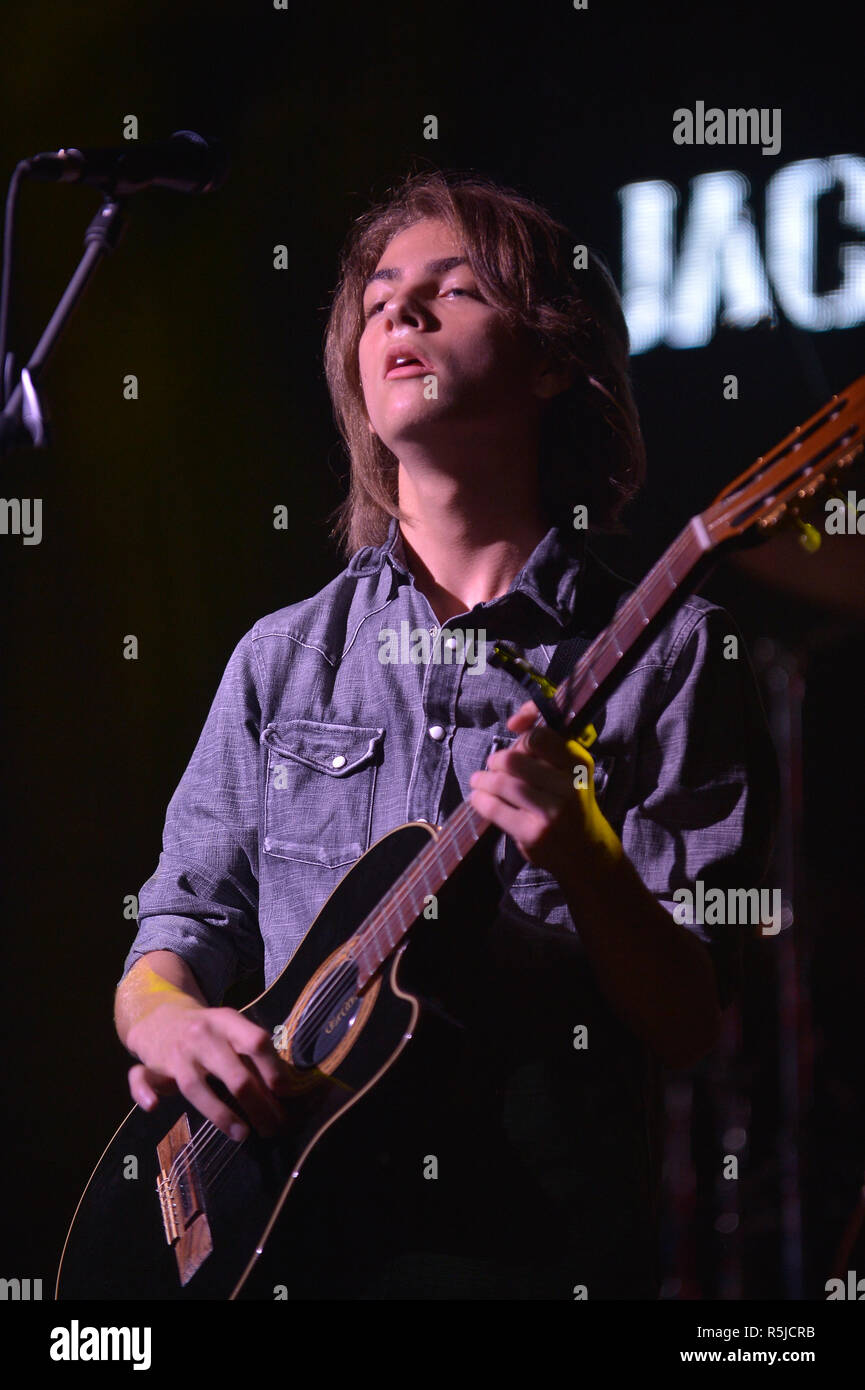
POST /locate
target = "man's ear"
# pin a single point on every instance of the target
(550, 380)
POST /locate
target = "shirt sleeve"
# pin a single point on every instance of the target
(707, 786)
(202, 900)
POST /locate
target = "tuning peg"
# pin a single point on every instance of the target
(809, 536)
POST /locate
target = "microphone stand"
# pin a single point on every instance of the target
(21, 423)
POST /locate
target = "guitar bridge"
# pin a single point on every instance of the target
(166, 1202)
(181, 1201)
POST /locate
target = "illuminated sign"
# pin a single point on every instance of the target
(720, 272)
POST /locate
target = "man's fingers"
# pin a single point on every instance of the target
(255, 1043)
(257, 1099)
(147, 1085)
(524, 717)
(558, 780)
(196, 1090)
(217, 1057)
(544, 743)
(522, 795)
(511, 819)
(208, 1059)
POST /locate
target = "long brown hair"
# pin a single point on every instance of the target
(591, 447)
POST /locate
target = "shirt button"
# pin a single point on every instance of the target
(436, 732)
(451, 643)
(339, 761)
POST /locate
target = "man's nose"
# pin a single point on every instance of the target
(402, 307)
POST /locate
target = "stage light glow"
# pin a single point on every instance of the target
(718, 273)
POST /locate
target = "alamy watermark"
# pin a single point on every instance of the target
(734, 907)
(20, 1290)
(417, 646)
(77, 1343)
(853, 1288)
(845, 516)
(21, 516)
(736, 126)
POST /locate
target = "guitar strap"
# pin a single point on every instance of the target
(565, 657)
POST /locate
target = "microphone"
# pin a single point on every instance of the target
(185, 163)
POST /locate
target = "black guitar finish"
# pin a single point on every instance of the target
(324, 1229)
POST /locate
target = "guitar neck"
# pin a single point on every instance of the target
(783, 483)
(591, 680)
(602, 665)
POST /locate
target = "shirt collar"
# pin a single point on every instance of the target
(551, 575)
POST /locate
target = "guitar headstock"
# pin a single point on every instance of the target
(786, 484)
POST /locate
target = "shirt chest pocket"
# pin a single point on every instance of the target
(320, 786)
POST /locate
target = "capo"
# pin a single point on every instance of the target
(505, 658)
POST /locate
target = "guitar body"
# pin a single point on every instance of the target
(311, 1212)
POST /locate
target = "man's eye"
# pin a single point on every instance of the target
(380, 303)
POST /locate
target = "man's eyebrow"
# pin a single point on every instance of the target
(439, 267)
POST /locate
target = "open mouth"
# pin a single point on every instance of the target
(404, 364)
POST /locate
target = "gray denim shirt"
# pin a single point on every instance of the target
(316, 746)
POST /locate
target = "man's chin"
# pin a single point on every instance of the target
(412, 431)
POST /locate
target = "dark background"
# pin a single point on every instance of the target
(158, 512)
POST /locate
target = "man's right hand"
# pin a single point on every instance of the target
(181, 1042)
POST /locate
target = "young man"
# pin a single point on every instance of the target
(480, 382)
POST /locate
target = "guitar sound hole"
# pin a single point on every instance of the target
(327, 1017)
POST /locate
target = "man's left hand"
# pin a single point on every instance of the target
(536, 796)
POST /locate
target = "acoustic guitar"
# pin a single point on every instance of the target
(176, 1210)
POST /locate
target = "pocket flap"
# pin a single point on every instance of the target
(335, 749)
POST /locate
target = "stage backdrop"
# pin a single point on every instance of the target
(186, 402)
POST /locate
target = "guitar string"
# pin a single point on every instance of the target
(322, 1001)
(198, 1146)
(213, 1178)
(194, 1147)
(414, 875)
(206, 1171)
